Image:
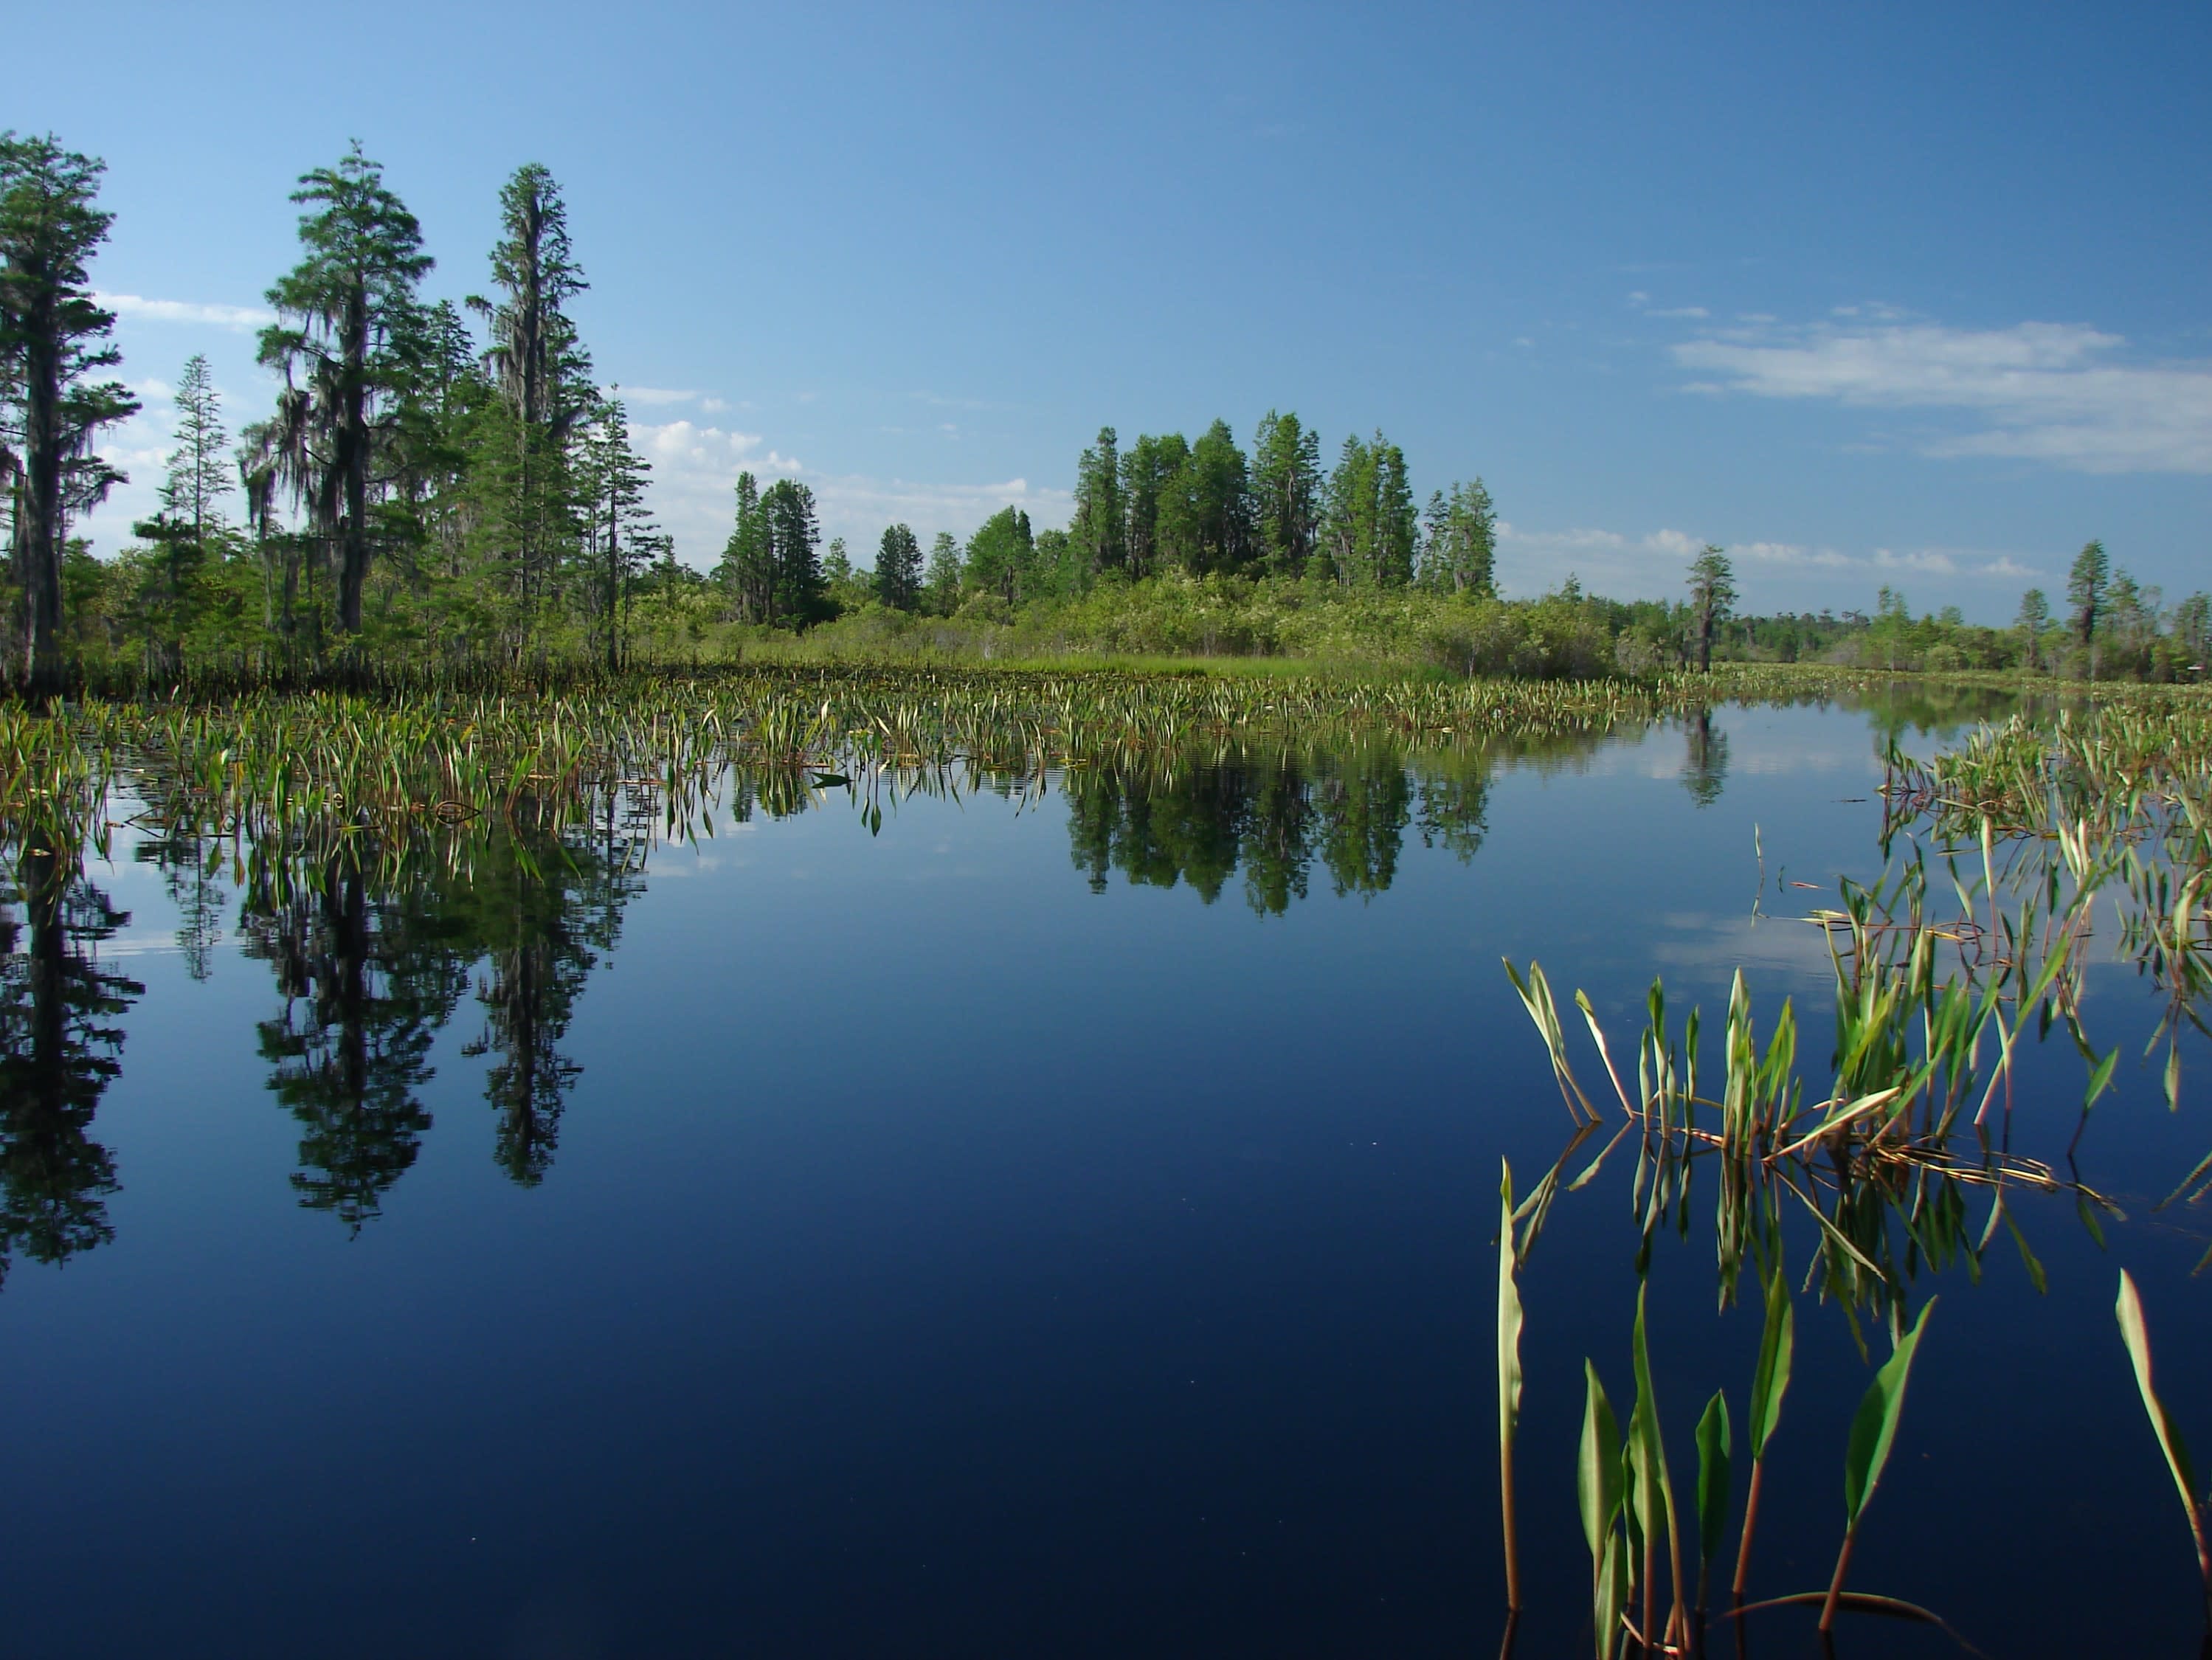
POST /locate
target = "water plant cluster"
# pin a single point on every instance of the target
(1972, 948)
(262, 765)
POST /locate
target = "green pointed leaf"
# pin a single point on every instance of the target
(1873, 1428)
(1770, 1381)
(1713, 1451)
(1597, 1475)
(1653, 1489)
(2035, 1274)
(2137, 1338)
(2100, 1079)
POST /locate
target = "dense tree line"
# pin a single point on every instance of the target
(432, 475)
(1168, 506)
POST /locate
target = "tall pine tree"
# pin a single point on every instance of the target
(898, 568)
(747, 570)
(543, 377)
(1148, 468)
(787, 511)
(1285, 493)
(1097, 528)
(1459, 549)
(621, 533)
(941, 585)
(199, 463)
(1369, 526)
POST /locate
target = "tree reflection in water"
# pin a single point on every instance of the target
(1705, 758)
(1274, 815)
(373, 950)
(59, 1050)
(368, 977)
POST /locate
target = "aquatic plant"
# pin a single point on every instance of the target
(2136, 1337)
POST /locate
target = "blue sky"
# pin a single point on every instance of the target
(1912, 295)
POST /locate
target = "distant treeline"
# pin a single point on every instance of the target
(442, 485)
(1164, 506)
(2108, 626)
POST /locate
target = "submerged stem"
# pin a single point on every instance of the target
(1750, 1520)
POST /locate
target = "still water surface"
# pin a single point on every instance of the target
(1056, 1224)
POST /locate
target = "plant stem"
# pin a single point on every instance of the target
(1512, 1548)
(1650, 1591)
(1836, 1585)
(1750, 1519)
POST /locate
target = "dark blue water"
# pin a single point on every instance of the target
(1047, 1227)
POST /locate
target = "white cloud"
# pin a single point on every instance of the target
(654, 397)
(1930, 561)
(1790, 553)
(1533, 561)
(1642, 302)
(2059, 392)
(696, 468)
(236, 318)
(1626, 566)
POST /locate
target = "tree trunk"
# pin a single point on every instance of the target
(353, 448)
(40, 530)
(614, 585)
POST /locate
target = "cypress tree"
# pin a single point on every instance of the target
(543, 374)
(53, 339)
(345, 313)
